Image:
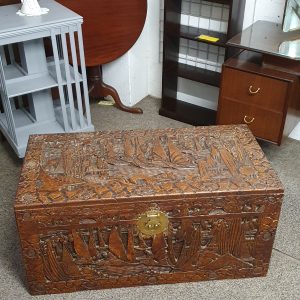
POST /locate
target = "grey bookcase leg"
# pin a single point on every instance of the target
(2, 55)
(76, 75)
(31, 52)
(59, 81)
(11, 54)
(12, 104)
(6, 106)
(20, 102)
(83, 72)
(40, 103)
(68, 77)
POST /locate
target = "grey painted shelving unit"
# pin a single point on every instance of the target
(42, 58)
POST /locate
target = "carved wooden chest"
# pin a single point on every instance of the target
(114, 209)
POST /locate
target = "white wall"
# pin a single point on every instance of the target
(154, 64)
(268, 10)
(129, 73)
(138, 73)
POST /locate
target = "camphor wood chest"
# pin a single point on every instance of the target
(114, 209)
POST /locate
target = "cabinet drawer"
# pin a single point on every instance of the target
(263, 124)
(254, 89)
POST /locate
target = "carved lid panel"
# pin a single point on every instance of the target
(133, 165)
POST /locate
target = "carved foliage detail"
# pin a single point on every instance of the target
(127, 163)
(120, 250)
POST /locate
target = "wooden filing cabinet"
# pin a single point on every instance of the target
(261, 95)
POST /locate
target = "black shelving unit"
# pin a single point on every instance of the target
(194, 68)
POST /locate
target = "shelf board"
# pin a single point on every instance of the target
(21, 119)
(221, 1)
(59, 117)
(29, 84)
(228, 2)
(188, 113)
(198, 74)
(18, 84)
(25, 127)
(52, 71)
(191, 33)
(13, 71)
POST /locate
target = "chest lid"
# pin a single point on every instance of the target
(130, 166)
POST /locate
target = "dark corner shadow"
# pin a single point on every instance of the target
(10, 253)
(10, 154)
(11, 256)
(274, 151)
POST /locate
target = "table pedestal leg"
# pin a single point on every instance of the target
(100, 89)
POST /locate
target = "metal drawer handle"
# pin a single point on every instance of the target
(253, 92)
(247, 120)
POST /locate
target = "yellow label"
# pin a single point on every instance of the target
(208, 38)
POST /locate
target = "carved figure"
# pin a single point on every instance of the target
(31, 8)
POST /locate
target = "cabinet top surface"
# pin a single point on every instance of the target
(267, 37)
(140, 165)
(253, 62)
(12, 22)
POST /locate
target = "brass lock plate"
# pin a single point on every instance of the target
(152, 222)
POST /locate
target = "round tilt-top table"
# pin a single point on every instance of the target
(110, 29)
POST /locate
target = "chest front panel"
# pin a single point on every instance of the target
(92, 247)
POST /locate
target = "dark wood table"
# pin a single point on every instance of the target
(110, 29)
